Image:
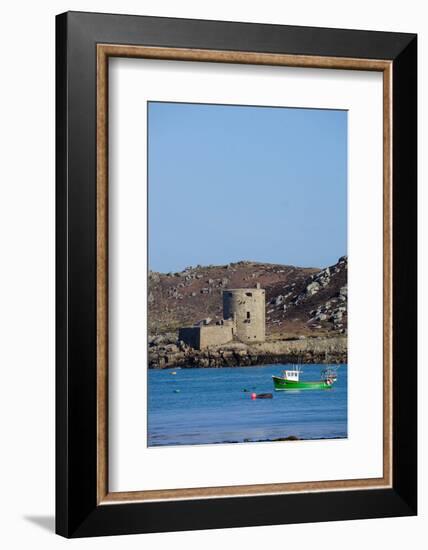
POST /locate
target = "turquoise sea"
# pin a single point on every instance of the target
(205, 406)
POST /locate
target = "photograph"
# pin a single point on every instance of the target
(247, 294)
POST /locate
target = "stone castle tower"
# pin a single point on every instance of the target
(246, 307)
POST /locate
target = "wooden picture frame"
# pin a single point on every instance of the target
(85, 42)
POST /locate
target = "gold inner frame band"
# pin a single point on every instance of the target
(104, 51)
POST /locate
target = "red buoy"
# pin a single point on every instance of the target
(253, 396)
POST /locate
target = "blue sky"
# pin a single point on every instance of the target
(230, 183)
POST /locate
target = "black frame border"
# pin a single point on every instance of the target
(77, 512)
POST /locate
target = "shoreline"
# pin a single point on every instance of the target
(275, 440)
(305, 351)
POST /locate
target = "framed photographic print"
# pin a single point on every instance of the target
(236, 274)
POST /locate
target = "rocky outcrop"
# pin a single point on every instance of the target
(334, 310)
(320, 301)
(169, 353)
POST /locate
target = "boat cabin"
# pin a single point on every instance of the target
(291, 375)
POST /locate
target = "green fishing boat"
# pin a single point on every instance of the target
(290, 380)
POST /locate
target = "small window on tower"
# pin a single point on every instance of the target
(248, 315)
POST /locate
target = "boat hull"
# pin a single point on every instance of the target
(282, 384)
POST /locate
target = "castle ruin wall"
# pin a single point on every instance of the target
(246, 307)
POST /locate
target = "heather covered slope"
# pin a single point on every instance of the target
(300, 301)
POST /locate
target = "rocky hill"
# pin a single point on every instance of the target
(299, 301)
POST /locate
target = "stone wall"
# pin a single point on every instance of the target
(215, 335)
(205, 336)
(190, 336)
